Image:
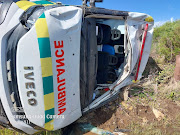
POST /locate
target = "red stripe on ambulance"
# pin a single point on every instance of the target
(59, 53)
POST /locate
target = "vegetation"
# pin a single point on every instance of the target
(158, 89)
(167, 40)
(162, 93)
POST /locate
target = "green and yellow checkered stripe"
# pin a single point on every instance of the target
(46, 67)
(24, 4)
(46, 60)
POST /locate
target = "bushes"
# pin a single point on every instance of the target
(167, 40)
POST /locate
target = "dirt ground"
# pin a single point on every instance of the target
(137, 119)
(152, 107)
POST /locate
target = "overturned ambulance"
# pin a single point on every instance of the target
(58, 62)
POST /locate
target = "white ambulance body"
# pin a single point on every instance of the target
(58, 62)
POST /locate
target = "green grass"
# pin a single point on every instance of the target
(8, 132)
(12, 132)
(166, 40)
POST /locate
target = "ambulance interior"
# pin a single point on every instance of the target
(106, 57)
(110, 43)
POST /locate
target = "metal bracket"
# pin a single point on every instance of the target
(92, 2)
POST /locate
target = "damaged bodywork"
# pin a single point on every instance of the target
(58, 62)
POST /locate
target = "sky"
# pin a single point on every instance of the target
(161, 10)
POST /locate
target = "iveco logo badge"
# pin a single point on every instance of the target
(30, 86)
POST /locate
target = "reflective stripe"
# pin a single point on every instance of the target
(49, 125)
(47, 72)
(142, 50)
(44, 2)
(42, 28)
(49, 101)
(46, 66)
(48, 85)
(49, 113)
(135, 81)
(44, 47)
(47, 5)
(24, 5)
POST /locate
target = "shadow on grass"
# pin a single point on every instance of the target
(151, 68)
